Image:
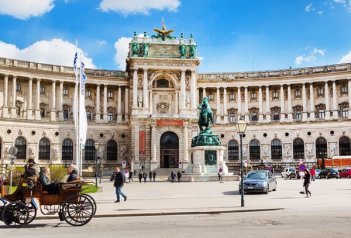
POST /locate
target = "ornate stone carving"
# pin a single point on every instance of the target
(122, 150)
(162, 107)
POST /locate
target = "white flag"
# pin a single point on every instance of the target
(83, 124)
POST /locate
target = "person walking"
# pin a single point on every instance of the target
(118, 183)
(179, 176)
(313, 173)
(154, 175)
(172, 176)
(220, 174)
(306, 182)
(144, 176)
(150, 175)
(140, 176)
(130, 177)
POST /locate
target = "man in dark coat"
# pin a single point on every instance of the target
(118, 179)
(154, 175)
(140, 176)
(150, 175)
(179, 176)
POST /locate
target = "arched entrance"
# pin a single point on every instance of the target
(321, 148)
(169, 145)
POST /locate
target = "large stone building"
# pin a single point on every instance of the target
(147, 115)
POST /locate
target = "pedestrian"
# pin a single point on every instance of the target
(154, 175)
(313, 173)
(140, 176)
(150, 175)
(220, 174)
(172, 176)
(179, 176)
(130, 177)
(118, 183)
(306, 182)
(144, 176)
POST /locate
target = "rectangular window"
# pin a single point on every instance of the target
(254, 117)
(88, 93)
(65, 92)
(65, 115)
(42, 89)
(210, 97)
(275, 95)
(232, 117)
(321, 114)
(18, 87)
(110, 116)
(89, 116)
(276, 117)
(344, 89)
(298, 93)
(110, 94)
(320, 92)
(253, 96)
(298, 116)
(231, 96)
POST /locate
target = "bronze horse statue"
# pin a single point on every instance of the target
(206, 115)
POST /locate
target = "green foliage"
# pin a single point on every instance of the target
(17, 173)
(89, 188)
(57, 173)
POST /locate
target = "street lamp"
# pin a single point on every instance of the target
(240, 128)
(96, 162)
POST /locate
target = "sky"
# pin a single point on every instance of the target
(232, 35)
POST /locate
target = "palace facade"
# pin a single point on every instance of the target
(147, 115)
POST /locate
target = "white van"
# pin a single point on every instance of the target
(289, 173)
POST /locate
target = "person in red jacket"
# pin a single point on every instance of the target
(313, 173)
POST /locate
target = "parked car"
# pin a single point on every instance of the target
(289, 173)
(259, 181)
(329, 173)
(345, 173)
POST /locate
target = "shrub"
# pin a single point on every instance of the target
(57, 173)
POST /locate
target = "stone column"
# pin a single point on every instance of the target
(153, 143)
(246, 112)
(282, 104)
(193, 90)
(304, 102)
(218, 100)
(335, 102)
(53, 101)
(311, 102)
(145, 90)
(349, 93)
(136, 143)
(105, 104)
(327, 101)
(203, 93)
(150, 102)
(225, 109)
(119, 104)
(30, 99)
(176, 103)
(182, 90)
(14, 98)
(135, 88)
(97, 108)
(5, 109)
(37, 108)
(186, 153)
(239, 102)
(260, 104)
(268, 108)
(290, 117)
(126, 104)
(60, 109)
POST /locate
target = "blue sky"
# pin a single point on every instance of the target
(232, 35)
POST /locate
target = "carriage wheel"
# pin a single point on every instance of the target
(32, 212)
(15, 214)
(91, 199)
(77, 210)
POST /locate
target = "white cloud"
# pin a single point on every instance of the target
(340, 1)
(346, 58)
(122, 49)
(137, 6)
(309, 8)
(54, 51)
(345, 3)
(312, 56)
(25, 9)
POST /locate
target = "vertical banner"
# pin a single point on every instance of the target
(142, 142)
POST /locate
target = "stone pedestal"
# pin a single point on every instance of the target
(201, 166)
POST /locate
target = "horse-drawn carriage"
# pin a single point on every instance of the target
(20, 208)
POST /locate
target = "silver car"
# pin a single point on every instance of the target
(259, 181)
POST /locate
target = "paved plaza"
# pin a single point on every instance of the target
(201, 197)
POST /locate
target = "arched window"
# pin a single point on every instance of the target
(321, 148)
(299, 148)
(233, 150)
(112, 150)
(67, 149)
(276, 149)
(162, 83)
(344, 146)
(44, 149)
(90, 149)
(255, 150)
(21, 146)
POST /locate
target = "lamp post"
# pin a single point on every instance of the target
(240, 128)
(96, 162)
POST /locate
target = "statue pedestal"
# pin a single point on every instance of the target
(212, 164)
